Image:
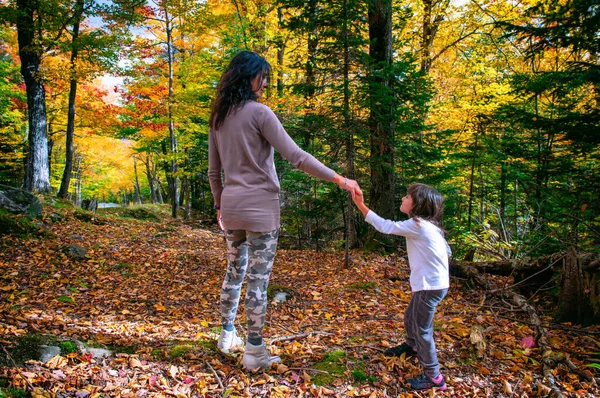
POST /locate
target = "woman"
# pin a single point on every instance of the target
(243, 134)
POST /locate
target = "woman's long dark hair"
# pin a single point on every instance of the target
(428, 204)
(235, 86)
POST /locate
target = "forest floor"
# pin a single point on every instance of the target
(148, 291)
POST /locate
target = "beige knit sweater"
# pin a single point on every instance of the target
(248, 193)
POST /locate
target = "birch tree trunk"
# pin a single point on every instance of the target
(174, 188)
(37, 174)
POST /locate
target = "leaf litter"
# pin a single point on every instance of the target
(149, 292)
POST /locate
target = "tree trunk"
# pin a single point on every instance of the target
(187, 189)
(172, 138)
(472, 182)
(430, 27)
(66, 178)
(381, 115)
(77, 199)
(138, 193)
(37, 175)
(349, 137)
(503, 172)
(579, 299)
(280, 56)
(151, 181)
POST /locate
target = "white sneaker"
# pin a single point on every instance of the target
(229, 341)
(257, 357)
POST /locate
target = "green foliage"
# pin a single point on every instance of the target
(24, 348)
(17, 224)
(360, 376)
(12, 116)
(146, 212)
(333, 364)
(362, 286)
(12, 392)
(180, 350)
(594, 365)
(67, 347)
(66, 299)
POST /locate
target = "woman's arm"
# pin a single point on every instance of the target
(271, 128)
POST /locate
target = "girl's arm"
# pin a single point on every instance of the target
(359, 201)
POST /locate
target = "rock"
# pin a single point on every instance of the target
(97, 353)
(281, 296)
(89, 204)
(19, 201)
(76, 237)
(77, 252)
(56, 217)
(47, 352)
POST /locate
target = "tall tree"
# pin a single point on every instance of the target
(37, 176)
(381, 108)
(174, 180)
(66, 179)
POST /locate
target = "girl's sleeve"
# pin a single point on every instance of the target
(272, 130)
(404, 228)
(214, 168)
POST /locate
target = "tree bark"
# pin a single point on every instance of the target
(280, 55)
(37, 175)
(430, 27)
(381, 113)
(579, 299)
(138, 193)
(349, 137)
(66, 178)
(151, 180)
(174, 181)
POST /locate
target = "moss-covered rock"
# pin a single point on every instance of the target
(18, 201)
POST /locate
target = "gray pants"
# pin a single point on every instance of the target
(418, 321)
(249, 253)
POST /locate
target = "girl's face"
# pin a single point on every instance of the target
(407, 204)
(259, 83)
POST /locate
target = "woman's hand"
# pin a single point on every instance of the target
(352, 186)
(220, 221)
(347, 184)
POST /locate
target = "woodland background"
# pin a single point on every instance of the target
(495, 103)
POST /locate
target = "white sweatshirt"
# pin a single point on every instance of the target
(427, 248)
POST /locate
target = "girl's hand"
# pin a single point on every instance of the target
(358, 198)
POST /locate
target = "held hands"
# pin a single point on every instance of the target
(347, 184)
(355, 191)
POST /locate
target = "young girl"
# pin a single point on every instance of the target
(428, 254)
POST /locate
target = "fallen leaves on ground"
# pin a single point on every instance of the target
(153, 288)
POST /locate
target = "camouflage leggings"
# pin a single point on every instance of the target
(252, 253)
